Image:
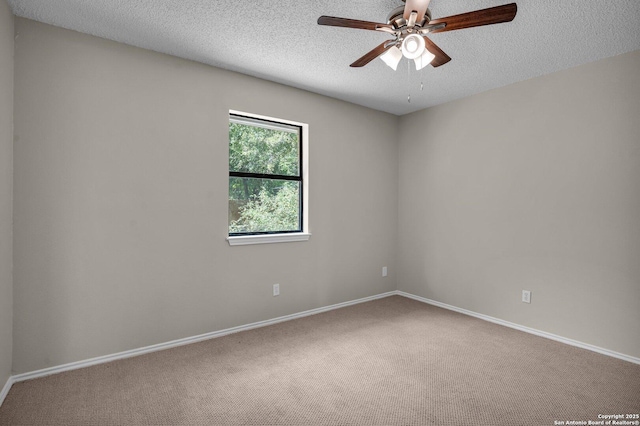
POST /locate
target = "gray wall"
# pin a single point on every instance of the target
(531, 186)
(121, 200)
(6, 190)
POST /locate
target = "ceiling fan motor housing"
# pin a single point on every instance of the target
(396, 18)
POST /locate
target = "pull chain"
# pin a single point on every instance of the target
(421, 75)
(409, 81)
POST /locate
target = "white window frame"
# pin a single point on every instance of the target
(240, 240)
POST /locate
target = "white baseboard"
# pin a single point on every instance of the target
(187, 340)
(523, 328)
(5, 389)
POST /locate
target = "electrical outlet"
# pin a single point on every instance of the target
(276, 289)
(384, 271)
(526, 296)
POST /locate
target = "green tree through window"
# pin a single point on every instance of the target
(265, 177)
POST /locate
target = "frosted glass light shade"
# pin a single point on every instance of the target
(413, 46)
(424, 59)
(392, 57)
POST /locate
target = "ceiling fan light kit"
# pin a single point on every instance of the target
(409, 24)
(412, 46)
(423, 60)
(392, 57)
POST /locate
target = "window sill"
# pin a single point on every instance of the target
(268, 238)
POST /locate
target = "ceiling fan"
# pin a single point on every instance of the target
(409, 25)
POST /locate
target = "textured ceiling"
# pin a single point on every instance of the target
(279, 40)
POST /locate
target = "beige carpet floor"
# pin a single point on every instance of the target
(393, 361)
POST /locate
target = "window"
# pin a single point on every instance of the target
(266, 180)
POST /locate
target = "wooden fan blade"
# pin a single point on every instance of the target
(370, 56)
(351, 23)
(492, 15)
(419, 6)
(441, 57)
